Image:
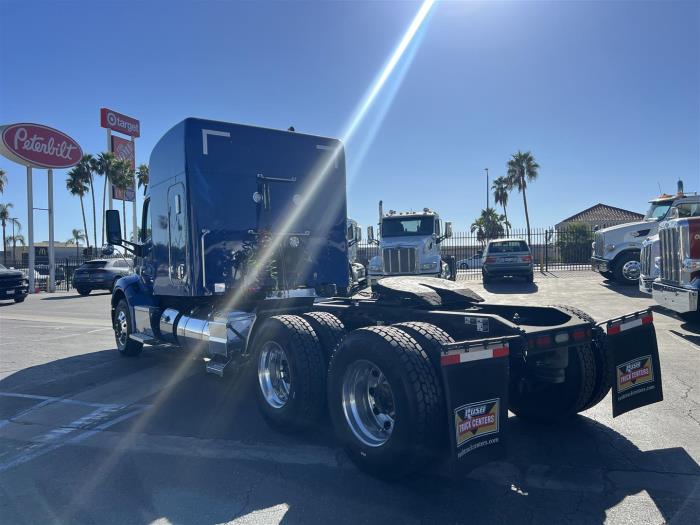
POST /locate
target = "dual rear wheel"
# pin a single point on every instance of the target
(378, 383)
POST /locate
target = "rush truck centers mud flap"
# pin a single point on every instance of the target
(636, 374)
(477, 408)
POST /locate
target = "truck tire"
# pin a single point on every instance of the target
(603, 359)
(429, 337)
(122, 329)
(548, 403)
(627, 269)
(291, 373)
(384, 401)
(329, 330)
(20, 299)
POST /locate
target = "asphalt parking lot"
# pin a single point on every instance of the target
(89, 437)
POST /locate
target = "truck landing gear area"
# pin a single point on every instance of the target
(180, 445)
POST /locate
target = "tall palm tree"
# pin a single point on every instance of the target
(522, 169)
(87, 169)
(4, 217)
(143, 177)
(77, 184)
(500, 194)
(78, 235)
(104, 165)
(3, 181)
(123, 181)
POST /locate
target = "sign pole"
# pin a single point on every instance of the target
(109, 182)
(52, 259)
(30, 229)
(135, 220)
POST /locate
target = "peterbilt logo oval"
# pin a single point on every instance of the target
(39, 146)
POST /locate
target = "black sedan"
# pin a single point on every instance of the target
(100, 274)
(13, 285)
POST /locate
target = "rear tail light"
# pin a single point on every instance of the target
(543, 341)
(526, 258)
(579, 335)
(490, 260)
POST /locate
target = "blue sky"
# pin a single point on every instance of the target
(605, 94)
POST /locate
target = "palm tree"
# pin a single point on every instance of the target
(87, 169)
(78, 235)
(77, 184)
(3, 181)
(104, 165)
(522, 169)
(16, 239)
(123, 180)
(143, 177)
(500, 194)
(489, 225)
(4, 217)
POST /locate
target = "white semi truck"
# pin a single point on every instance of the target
(409, 244)
(616, 250)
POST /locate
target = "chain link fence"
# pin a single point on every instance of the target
(564, 249)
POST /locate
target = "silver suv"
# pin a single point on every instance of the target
(507, 257)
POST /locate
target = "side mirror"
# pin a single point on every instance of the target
(448, 230)
(370, 233)
(107, 250)
(114, 234)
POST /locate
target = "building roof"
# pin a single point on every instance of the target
(603, 213)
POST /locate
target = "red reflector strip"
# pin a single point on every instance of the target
(617, 328)
(464, 356)
(543, 341)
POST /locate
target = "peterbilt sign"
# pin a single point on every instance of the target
(39, 146)
(117, 122)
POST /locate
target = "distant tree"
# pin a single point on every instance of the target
(16, 239)
(4, 217)
(78, 235)
(574, 243)
(77, 183)
(500, 194)
(3, 181)
(522, 169)
(143, 176)
(489, 225)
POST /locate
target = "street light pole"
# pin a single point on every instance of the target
(487, 188)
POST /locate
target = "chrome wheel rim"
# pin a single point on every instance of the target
(121, 328)
(631, 270)
(368, 403)
(274, 375)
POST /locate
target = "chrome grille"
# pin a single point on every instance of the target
(399, 260)
(670, 254)
(599, 244)
(645, 260)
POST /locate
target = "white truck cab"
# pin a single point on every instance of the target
(409, 244)
(616, 250)
(650, 257)
(358, 273)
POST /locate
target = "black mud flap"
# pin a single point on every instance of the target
(475, 376)
(636, 373)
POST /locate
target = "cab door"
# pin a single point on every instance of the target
(177, 237)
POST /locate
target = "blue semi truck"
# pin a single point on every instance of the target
(242, 259)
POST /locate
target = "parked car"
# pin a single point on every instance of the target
(13, 285)
(100, 274)
(470, 263)
(507, 257)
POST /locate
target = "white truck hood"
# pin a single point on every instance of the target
(631, 231)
